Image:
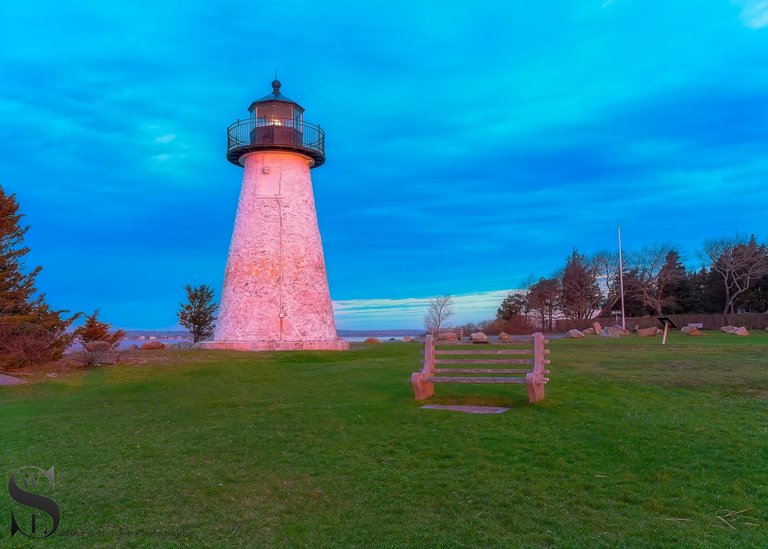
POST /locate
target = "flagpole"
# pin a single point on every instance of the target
(621, 282)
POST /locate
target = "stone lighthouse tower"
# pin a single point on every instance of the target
(275, 295)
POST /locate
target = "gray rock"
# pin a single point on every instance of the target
(574, 334)
(610, 331)
(734, 330)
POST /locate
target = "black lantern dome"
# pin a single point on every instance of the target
(276, 124)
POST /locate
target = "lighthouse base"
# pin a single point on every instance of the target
(333, 345)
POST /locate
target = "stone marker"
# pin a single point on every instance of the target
(504, 336)
(467, 409)
(588, 332)
(447, 336)
(479, 336)
(406, 339)
(152, 346)
(574, 334)
(648, 332)
(372, 340)
(691, 331)
(596, 327)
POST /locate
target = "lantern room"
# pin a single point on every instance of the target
(276, 109)
(276, 123)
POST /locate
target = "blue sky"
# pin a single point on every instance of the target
(468, 144)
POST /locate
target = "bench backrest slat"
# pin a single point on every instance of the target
(485, 361)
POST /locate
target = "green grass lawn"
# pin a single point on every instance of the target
(635, 446)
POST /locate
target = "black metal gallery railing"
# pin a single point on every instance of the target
(255, 134)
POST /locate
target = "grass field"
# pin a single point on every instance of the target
(635, 446)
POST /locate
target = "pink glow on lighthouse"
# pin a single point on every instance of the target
(275, 294)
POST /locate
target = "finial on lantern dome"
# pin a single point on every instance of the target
(275, 86)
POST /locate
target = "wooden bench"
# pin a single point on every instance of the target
(533, 350)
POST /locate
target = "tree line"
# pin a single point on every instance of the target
(733, 278)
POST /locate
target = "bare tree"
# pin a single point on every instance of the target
(740, 262)
(543, 301)
(606, 266)
(439, 310)
(652, 280)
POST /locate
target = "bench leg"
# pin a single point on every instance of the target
(422, 390)
(535, 390)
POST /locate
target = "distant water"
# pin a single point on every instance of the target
(126, 343)
(360, 339)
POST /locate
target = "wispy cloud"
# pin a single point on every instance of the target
(755, 13)
(165, 138)
(409, 312)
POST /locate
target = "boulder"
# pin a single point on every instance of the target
(597, 328)
(691, 331)
(734, 330)
(447, 336)
(574, 334)
(588, 332)
(647, 332)
(610, 331)
(622, 331)
(478, 336)
(372, 340)
(406, 339)
(152, 346)
(504, 336)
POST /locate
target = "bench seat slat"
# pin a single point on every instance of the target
(515, 342)
(480, 371)
(476, 379)
(484, 352)
(484, 361)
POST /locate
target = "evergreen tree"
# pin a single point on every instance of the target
(579, 292)
(95, 330)
(514, 305)
(671, 284)
(29, 330)
(198, 314)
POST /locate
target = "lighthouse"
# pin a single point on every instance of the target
(275, 295)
